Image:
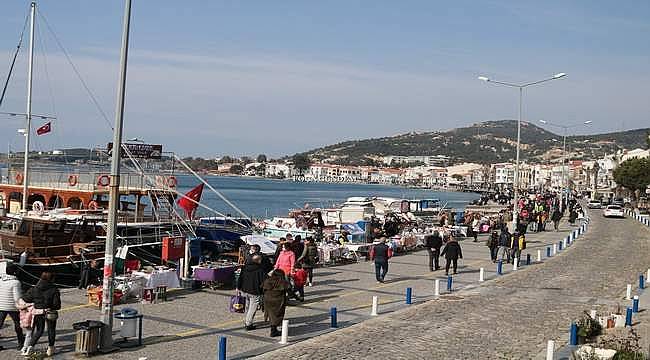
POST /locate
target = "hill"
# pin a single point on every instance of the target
(486, 142)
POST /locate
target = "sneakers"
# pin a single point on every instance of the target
(275, 332)
(50, 350)
(26, 351)
(309, 284)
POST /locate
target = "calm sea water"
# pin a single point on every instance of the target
(267, 198)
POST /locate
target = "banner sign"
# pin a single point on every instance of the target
(142, 151)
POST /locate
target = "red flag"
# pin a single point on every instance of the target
(44, 129)
(190, 206)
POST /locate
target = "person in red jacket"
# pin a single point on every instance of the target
(299, 280)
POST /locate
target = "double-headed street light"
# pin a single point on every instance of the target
(565, 182)
(521, 87)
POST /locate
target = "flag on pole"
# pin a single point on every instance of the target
(44, 129)
(190, 205)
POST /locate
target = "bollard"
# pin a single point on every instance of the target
(550, 350)
(635, 304)
(539, 256)
(333, 320)
(222, 348)
(375, 306)
(648, 274)
(573, 334)
(567, 240)
(436, 290)
(628, 317)
(500, 267)
(554, 249)
(559, 246)
(481, 274)
(641, 282)
(515, 263)
(450, 281)
(628, 292)
(409, 292)
(527, 259)
(564, 243)
(284, 338)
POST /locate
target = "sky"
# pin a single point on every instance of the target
(212, 78)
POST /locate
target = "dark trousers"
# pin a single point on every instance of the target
(433, 258)
(39, 327)
(15, 317)
(381, 268)
(493, 253)
(449, 261)
(310, 274)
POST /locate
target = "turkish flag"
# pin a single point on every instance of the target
(188, 205)
(44, 129)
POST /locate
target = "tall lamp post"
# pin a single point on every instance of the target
(521, 88)
(565, 182)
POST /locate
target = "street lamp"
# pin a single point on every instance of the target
(565, 182)
(515, 213)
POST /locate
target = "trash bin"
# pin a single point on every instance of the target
(88, 336)
(128, 322)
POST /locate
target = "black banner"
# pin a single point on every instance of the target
(141, 151)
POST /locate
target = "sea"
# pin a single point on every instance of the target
(266, 198)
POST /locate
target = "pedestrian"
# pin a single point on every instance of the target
(452, 252)
(266, 262)
(504, 244)
(380, 254)
(515, 251)
(433, 244)
(47, 302)
(250, 282)
(286, 260)
(493, 245)
(26, 323)
(279, 248)
(297, 246)
(476, 227)
(275, 299)
(299, 278)
(10, 293)
(309, 259)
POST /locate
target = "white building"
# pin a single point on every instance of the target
(279, 170)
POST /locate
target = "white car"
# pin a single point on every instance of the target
(613, 211)
(594, 204)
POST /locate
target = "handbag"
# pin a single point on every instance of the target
(51, 315)
(237, 303)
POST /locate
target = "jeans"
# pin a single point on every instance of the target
(381, 268)
(252, 303)
(15, 317)
(504, 253)
(39, 326)
(449, 262)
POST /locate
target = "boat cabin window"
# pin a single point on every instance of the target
(23, 229)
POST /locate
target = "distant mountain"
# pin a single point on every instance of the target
(486, 142)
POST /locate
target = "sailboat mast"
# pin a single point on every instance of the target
(114, 189)
(28, 114)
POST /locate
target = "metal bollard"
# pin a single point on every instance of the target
(564, 243)
(568, 240)
(500, 267)
(375, 306)
(635, 304)
(641, 282)
(573, 334)
(527, 259)
(539, 255)
(648, 274)
(554, 249)
(333, 319)
(284, 338)
(222, 348)
(628, 317)
(436, 288)
(409, 292)
(550, 350)
(548, 251)
(628, 292)
(450, 281)
(481, 275)
(515, 263)
(559, 245)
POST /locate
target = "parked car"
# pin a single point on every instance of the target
(594, 204)
(613, 211)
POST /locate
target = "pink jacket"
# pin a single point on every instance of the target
(26, 314)
(285, 261)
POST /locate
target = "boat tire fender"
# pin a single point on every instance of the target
(73, 180)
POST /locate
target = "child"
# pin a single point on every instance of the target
(299, 279)
(26, 322)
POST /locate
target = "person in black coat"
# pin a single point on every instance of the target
(250, 283)
(47, 301)
(267, 265)
(380, 253)
(452, 252)
(433, 244)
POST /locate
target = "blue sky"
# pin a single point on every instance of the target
(278, 77)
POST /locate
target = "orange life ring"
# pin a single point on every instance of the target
(72, 180)
(103, 180)
(93, 205)
(172, 182)
(19, 178)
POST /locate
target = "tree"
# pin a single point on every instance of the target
(301, 162)
(246, 160)
(633, 174)
(458, 177)
(236, 169)
(226, 160)
(261, 158)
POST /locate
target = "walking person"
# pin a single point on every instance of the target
(380, 254)
(309, 259)
(433, 244)
(476, 227)
(47, 301)
(26, 311)
(10, 293)
(266, 262)
(555, 217)
(286, 259)
(493, 245)
(275, 299)
(299, 279)
(250, 283)
(515, 251)
(452, 252)
(504, 245)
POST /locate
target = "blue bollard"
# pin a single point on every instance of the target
(635, 304)
(568, 240)
(573, 334)
(222, 348)
(527, 259)
(641, 282)
(628, 317)
(450, 281)
(500, 267)
(333, 320)
(548, 251)
(559, 245)
(409, 292)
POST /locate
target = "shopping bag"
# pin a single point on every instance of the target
(237, 303)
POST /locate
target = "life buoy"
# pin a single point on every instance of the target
(19, 178)
(172, 182)
(93, 205)
(103, 180)
(38, 207)
(160, 181)
(73, 180)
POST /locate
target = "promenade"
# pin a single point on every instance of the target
(510, 316)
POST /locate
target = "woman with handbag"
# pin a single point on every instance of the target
(47, 301)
